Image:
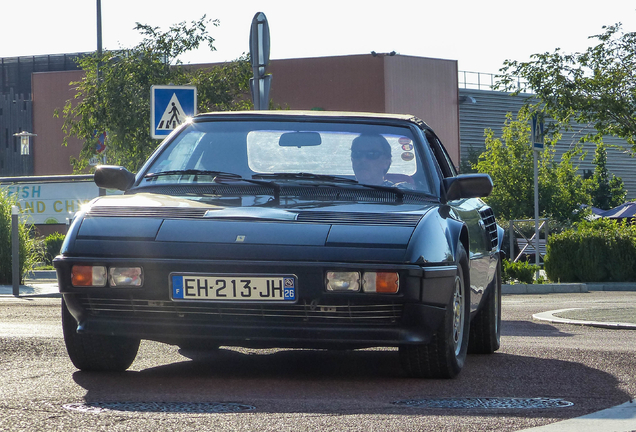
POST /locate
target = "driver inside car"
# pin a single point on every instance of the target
(371, 159)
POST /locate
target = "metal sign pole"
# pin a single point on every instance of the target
(536, 210)
(15, 250)
(259, 53)
(537, 144)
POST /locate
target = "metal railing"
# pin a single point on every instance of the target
(485, 81)
(529, 244)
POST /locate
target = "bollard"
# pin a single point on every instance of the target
(15, 250)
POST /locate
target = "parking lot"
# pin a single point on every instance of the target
(545, 372)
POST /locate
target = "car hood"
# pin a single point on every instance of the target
(167, 220)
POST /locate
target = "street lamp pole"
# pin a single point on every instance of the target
(99, 33)
(99, 27)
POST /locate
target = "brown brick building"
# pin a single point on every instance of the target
(424, 87)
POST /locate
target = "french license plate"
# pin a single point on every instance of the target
(223, 287)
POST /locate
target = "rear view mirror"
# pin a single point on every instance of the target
(300, 139)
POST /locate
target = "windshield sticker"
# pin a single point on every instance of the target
(407, 156)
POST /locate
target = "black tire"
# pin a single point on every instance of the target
(485, 328)
(444, 357)
(90, 352)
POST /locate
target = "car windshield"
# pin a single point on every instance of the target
(284, 151)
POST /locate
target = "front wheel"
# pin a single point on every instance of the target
(485, 328)
(90, 352)
(444, 357)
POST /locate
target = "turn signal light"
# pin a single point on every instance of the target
(381, 282)
(88, 276)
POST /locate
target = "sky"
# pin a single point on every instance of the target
(480, 35)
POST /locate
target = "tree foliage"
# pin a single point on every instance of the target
(114, 95)
(509, 161)
(606, 190)
(596, 87)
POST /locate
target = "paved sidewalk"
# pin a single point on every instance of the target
(621, 418)
(41, 283)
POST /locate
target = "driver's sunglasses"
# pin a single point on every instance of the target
(367, 154)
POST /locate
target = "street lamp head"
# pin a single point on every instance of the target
(24, 141)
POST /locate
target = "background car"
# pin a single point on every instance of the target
(287, 229)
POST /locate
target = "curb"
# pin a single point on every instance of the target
(41, 274)
(545, 288)
(566, 288)
(549, 317)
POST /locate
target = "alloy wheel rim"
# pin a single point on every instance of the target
(458, 315)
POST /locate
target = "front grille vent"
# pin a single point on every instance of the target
(304, 312)
(490, 224)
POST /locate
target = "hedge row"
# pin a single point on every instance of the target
(52, 246)
(599, 251)
(29, 252)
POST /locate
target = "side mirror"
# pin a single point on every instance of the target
(113, 177)
(467, 186)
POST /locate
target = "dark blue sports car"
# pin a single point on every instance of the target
(287, 229)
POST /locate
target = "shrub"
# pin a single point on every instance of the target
(29, 250)
(52, 246)
(599, 251)
(522, 271)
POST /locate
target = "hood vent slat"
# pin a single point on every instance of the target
(321, 217)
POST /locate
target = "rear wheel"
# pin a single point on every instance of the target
(485, 328)
(90, 352)
(444, 357)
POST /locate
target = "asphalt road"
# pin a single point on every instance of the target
(540, 368)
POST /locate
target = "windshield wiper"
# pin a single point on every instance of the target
(305, 176)
(219, 177)
(195, 172)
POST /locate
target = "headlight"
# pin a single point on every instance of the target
(381, 282)
(125, 276)
(88, 276)
(343, 281)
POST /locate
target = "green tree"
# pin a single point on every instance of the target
(596, 87)
(509, 161)
(606, 192)
(114, 95)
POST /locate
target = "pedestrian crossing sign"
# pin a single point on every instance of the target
(537, 132)
(170, 106)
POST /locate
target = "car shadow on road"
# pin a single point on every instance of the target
(362, 381)
(532, 329)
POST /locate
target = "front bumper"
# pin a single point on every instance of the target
(317, 319)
